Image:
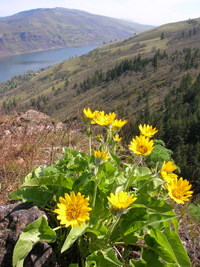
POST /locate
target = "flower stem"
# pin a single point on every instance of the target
(130, 176)
(112, 228)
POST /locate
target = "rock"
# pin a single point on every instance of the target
(13, 219)
(31, 115)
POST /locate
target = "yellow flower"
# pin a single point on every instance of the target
(122, 148)
(99, 138)
(166, 170)
(117, 124)
(147, 130)
(104, 119)
(121, 200)
(141, 145)
(89, 114)
(73, 210)
(100, 156)
(178, 190)
(117, 138)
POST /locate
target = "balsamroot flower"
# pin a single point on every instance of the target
(117, 124)
(166, 170)
(100, 156)
(121, 201)
(104, 119)
(147, 130)
(73, 210)
(178, 190)
(89, 114)
(141, 145)
(117, 138)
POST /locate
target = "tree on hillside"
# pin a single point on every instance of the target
(162, 36)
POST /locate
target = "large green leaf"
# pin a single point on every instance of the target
(34, 195)
(83, 182)
(151, 258)
(160, 250)
(58, 179)
(142, 171)
(153, 203)
(172, 243)
(73, 235)
(32, 234)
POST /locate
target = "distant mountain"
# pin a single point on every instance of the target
(60, 27)
(131, 21)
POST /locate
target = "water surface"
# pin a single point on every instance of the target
(20, 64)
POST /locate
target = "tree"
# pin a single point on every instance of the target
(162, 36)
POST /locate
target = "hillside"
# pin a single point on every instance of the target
(61, 84)
(60, 27)
(152, 77)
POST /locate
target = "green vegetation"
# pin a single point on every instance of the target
(101, 209)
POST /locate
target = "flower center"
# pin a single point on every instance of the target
(142, 149)
(73, 212)
(177, 192)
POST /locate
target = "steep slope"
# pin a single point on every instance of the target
(152, 77)
(73, 83)
(60, 27)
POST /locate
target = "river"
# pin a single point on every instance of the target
(21, 63)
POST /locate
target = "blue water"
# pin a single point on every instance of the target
(20, 64)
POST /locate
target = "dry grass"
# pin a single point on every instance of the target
(23, 147)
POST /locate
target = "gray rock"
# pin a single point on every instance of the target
(13, 219)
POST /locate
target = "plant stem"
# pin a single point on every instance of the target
(133, 169)
(59, 227)
(89, 139)
(112, 228)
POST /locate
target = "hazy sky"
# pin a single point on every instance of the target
(151, 12)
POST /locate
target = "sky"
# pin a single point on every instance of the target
(149, 12)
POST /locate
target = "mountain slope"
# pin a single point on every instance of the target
(60, 27)
(151, 78)
(67, 96)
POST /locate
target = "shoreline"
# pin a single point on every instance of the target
(39, 50)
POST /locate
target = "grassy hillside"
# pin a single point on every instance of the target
(60, 27)
(152, 77)
(60, 84)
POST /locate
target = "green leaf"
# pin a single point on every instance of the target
(94, 260)
(153, 203)
(82, 182)
(162, 252)
(130, 239)
(73, 235)
(116, 159)
(172, 243)
(36, 196)
(32, 234)
(74, 265)
(151, 258)
(59, 179)
(107, 252)
(174, 220)
(135, 263)
(143, 171)
(109, 255)
(39, 171)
